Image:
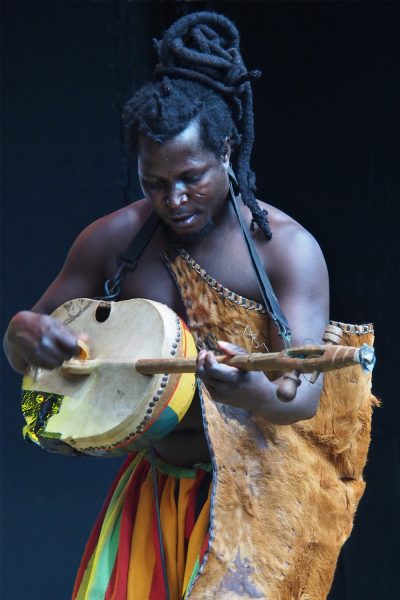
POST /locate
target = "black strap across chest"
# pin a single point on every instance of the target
(129, 259)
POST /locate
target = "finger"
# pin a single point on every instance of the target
(53, 348)
(48, 352)
(230, 349)
(219, 371)
(200, 359)
(47, 362)
(45, 359)
(66, 341)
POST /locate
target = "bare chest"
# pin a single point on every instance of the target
(152, 278)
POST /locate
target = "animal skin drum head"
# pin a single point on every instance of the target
(110, 408)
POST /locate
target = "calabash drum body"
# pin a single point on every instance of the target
(114, 409)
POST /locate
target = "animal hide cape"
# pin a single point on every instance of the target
(284, 497)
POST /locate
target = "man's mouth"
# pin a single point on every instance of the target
(182, 220)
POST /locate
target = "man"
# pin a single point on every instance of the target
(186, 128)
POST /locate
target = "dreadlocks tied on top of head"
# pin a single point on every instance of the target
(201, 74)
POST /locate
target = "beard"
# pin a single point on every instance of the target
(190, 238)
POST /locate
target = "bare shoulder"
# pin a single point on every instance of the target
(92, 257)
(114, 230)
(291, 242)
(293, 258)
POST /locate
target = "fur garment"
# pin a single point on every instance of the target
(284, 497)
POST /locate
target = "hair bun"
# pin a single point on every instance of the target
(207, 43)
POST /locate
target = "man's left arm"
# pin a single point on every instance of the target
(300, 281)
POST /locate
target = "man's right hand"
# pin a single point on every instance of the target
(38, 340)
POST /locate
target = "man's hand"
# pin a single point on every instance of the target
(243, 389)
(252, 390)
(38, 340)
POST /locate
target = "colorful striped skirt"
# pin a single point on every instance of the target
(122, 559)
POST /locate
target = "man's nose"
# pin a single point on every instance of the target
(177, 195)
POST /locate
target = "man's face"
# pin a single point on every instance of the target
(186, 183)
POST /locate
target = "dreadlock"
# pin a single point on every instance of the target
(201, 75)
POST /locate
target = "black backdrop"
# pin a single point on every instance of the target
(326, 152)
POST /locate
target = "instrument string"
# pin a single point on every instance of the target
(159, 531)
(253, 336)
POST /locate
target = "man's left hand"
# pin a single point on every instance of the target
(231, 385)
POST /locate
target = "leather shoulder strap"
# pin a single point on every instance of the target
(267, 292)
(129, 259)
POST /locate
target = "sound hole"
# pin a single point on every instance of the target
(102, 312)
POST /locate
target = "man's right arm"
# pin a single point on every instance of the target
(34, 338)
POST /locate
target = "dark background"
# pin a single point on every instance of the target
(326, 152)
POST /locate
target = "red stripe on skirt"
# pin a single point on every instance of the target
(94, 536)
(116, 589)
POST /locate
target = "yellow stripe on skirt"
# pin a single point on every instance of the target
(122, 559)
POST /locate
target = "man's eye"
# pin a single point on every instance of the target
(193, 178)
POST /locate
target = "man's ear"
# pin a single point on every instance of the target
(226, 152)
